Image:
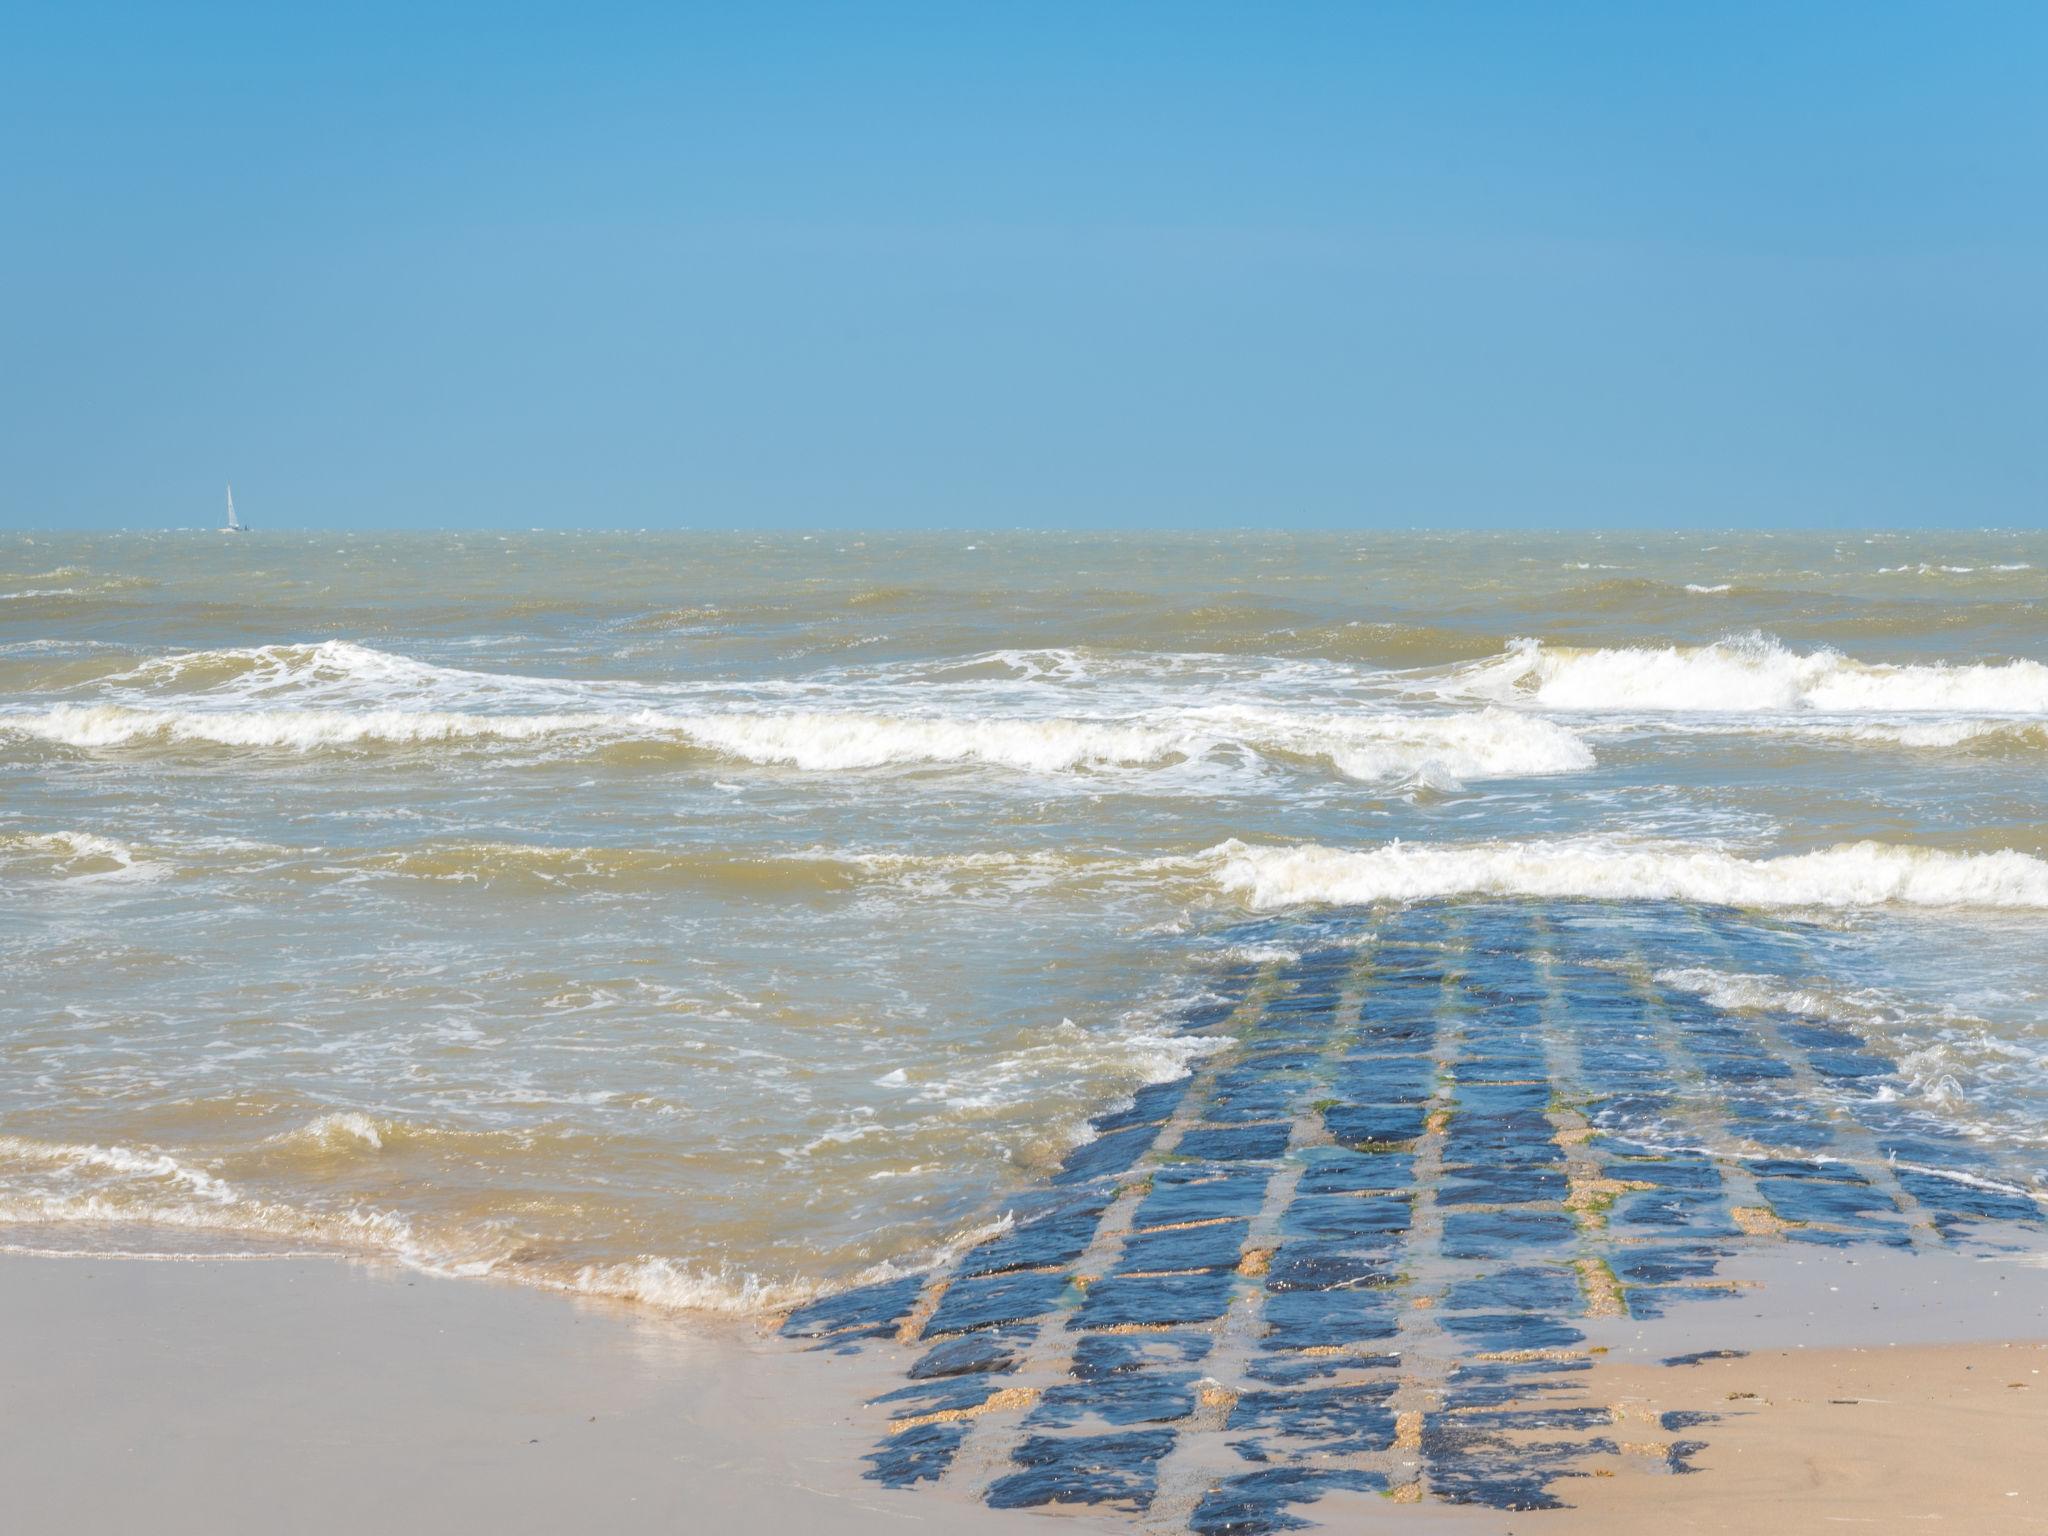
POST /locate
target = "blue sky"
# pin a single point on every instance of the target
(1181, 265)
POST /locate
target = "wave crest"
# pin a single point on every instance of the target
(1848, 875)
(1365, 746)
(1749, 674)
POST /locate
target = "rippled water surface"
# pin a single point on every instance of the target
(706, 917)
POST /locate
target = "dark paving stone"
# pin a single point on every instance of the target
(1121, 1470)
(872, 1309)
(1265, 1101)
(1362, 1125)
(1540, 1418)
(1208, 1015)
(1519, 1099)
(1816, 1037)
(1149, 1105)
(1164, 1299)
(1336, 1171)
(1929, 1149)
(1679, 1175)
(1266, 1088)
(1295, 1370)
(938, 1395)
(1679, 1457)
(1058, 1235)
(1507, 1140)
(1111, 1354)
(1509, 1430)
(1334, 1420)
(1780, 1125)
(1847, 1064)
(1375, 1079)
(1505, 1186)
(969, 1354)
(1824, 1200)
(1516, 1290)
(1889, 1234)
(1135, 1397)
(1660, 1265)
(1951, 1202)
(1700, 1356)
(1664, 1210)
(1503, 1234)
(1198, 1194)
(1644, 1304)
(1257, 1502)
(1212, 1247)
(1215, 1143)
(1312, 1319)
(1743, 1069)
(1685, 1418)
(916, 1455)
(1470, 1463)
(1329, 1267)
(1489, 1333)
(1106, 1155)
(997, 1299)
(1497, 1383)
(1802, 1168)
(1346, 1217)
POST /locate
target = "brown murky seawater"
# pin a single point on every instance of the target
(705, 918)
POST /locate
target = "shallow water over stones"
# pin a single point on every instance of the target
(1361, 1249)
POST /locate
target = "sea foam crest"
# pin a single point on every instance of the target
(1752, 673)
(77, 856)
(1363, 745)
(1848, 875)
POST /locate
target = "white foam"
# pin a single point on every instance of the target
(341, 1130)
(1363, 745)
(79, 856)
(1925, 569)
(1750, 674)
(1741, 991)
(1848, 875)
(670, 1283)
(1937, 733)
(59, 1184)
(300, 730)
(1979, 1078)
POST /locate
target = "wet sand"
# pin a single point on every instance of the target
(320, 1395)
(326, 1395)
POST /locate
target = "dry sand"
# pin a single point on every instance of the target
(1931, 1437)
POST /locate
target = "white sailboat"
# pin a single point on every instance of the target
(234, 524)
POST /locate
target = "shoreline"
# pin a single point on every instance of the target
(219, 1394)
(330, 1393)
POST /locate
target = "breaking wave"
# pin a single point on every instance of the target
(1985, 736)
(1848, 875)
(58, 1184)
(77, 856)
(1754, 673)
(1366, 746)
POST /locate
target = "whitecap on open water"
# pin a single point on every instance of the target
(709, 918)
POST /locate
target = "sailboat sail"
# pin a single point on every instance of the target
(234, 523)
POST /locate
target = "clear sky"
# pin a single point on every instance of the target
(1186, 264)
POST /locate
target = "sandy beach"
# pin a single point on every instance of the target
(326, 1395)
(228, 1396)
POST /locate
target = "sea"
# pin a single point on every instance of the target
(712, 919)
